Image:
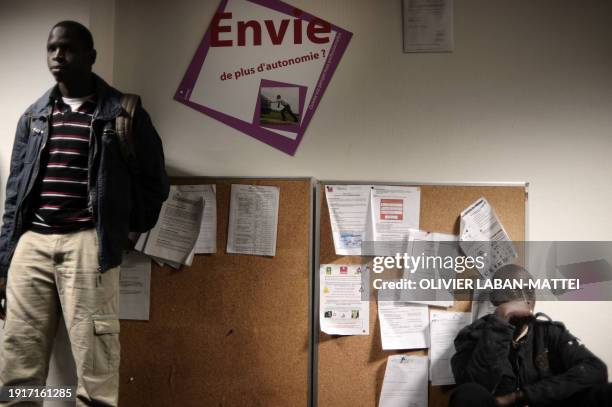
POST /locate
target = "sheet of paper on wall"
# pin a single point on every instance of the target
(342, 310)
(394, 213)
(348, 213)
(405, 382)
(481, 308)
(174, 236)
(482, 234)
(207, 239)
(430, 245)
(428, 25)
(403, 325)
(253, 220)
(444, 327)
(134, 286)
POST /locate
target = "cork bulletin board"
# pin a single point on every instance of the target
(350, 369)
(231, 330)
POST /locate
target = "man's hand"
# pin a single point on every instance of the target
(2, 298)
(506, 400)
(511, 399)
(518, 309)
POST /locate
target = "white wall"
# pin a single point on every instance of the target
(526, 96)
(24, 27)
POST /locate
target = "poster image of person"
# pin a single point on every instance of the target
(279, 105)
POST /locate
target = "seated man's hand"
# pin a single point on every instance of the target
(2, 298)
(505, 400)
(514, 310)
(511, 399)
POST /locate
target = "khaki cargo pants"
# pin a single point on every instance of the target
(57, 273)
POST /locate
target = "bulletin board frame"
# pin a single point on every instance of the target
(184, 356)
(368, 383)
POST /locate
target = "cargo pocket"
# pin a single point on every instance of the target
(106, 344)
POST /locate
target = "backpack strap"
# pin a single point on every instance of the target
(123, 125)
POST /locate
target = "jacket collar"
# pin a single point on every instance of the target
(109, 101)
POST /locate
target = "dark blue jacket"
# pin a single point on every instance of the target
(123, 196)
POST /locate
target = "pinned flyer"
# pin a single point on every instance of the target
(482, 234)
(403, 325)
(394, 213)
(348, 208)
(342, 310)
(253, 220)
(444, 327)
(177, 230)
(405, 382)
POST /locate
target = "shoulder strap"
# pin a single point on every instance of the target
(123, 124)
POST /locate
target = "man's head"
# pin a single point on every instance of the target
(278, 96)
(512, 273)
(514, 305)
(70, 52)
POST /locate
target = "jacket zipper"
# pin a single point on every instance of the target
(94, 194)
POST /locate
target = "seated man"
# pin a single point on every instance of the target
(512, 358)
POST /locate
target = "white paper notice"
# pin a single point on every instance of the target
(481, 308)
(444, 327)
(429, 244)
(207, 239)
(348, 207)
(428, 25)
(174, 236)
(394, 212)
(134, 286)
(253, 220)
(482, 233)
(403, 325)
(405, 382)
(341, 309)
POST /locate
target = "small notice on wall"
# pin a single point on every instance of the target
(342, 308)
(428, 25)
(253, 220)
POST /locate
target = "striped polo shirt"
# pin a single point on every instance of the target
(62, 204)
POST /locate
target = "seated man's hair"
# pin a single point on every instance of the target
(82, 32)
(512, 272)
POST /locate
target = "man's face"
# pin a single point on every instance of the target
(67, 56)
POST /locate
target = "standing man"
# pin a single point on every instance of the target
(285, 108)
(72, 197)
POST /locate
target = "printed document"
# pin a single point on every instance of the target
(134, 286)
(428, 25)
(207, 240)
(341, 308)
(394, 212)
(430, 244)
(403, 325)
(444, 327)
(253, 220)
(405, 382)
(174, 236)
(482, 234)
(348, 208)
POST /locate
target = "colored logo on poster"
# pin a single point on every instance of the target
(391, 209)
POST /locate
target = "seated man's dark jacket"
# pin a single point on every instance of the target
(549, 365)
(123, 196)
